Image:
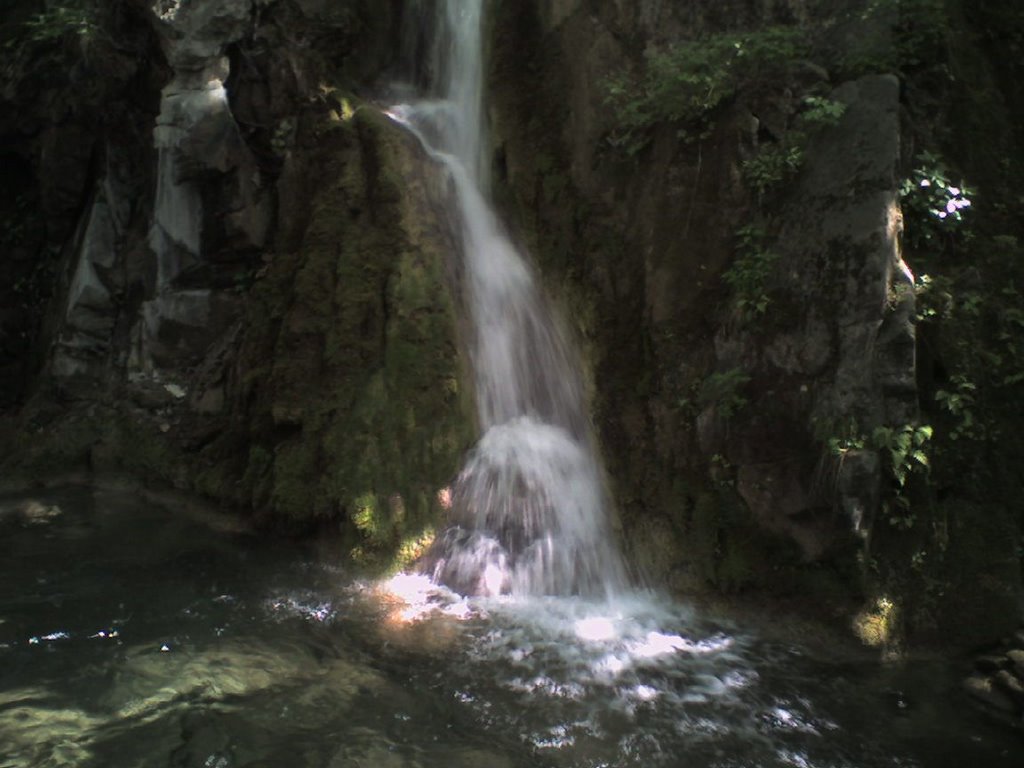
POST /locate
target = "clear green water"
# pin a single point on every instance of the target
(133, 634)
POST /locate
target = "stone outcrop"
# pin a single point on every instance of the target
(747, 448)
(257, 301)
(686, 386)
(997, 682)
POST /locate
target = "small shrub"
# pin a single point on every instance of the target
(819, 112)
(933, 207)
(60, 21)
(769, 168)
(686, 83)
(960, 401)
(723, 390)
(904, 448)
(749, 273)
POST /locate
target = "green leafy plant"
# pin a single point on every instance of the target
(686, 83)
(960, 402)
(933, 207)
(749, 272)
(820, 112)
(770, 167)
(724, 391)
(904, 448)
(921, 31)
(1010, 337)
(777, 163)
(61, 20)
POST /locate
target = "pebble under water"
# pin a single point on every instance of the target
(136, 632)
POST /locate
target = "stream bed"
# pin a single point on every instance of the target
(138, 632)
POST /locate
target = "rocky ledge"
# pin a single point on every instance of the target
(997, 683)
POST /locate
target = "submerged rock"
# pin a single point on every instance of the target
(984, 691)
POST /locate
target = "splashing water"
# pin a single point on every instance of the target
(142, 632)
(530, 510)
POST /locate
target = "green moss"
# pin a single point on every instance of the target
(354, 335)
(215, 481)
(295, 491)
(734, 569)
(366, 517)
(702, 541)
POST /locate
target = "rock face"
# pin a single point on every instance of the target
(346, 394)
(709, 410)
(76, 112)
(997, 684)
(257, 300)
(752, 338)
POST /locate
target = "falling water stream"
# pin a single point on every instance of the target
(531, 511)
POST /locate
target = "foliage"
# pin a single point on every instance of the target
(770, 167)
(777, 163)
(723, 390)
(748, 274)
(960, 402)
(820, 112)
(40, 36)
(904, 448)
(921, 31)
(970, 314)
(919, 28)
(61, 20)
(933, 207)
(686, 83)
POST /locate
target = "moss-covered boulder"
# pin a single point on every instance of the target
(348, 390)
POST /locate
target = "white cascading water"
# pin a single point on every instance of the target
(531, 513)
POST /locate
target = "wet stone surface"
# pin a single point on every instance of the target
(997, 683)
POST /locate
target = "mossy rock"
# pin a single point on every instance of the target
(359, 412)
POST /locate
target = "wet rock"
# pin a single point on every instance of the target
(1016, 658)
(477, 758)
(91, 306)
(990, 663)
(858, 482)
(36, 513)
(1011, 685)
(211, 401)
(806, 351)
(984, 691)
(206, 745)
(368, 749)
(150, 395)
(105, 456)
(772, 491)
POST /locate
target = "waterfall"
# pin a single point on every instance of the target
(530, 510)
